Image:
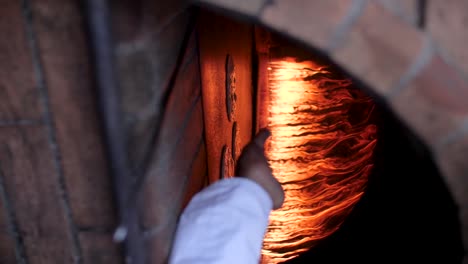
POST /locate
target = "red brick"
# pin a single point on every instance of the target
(136, 20)
(177, 148)
(157, 13)
(379, 49)
(406, 9)
(126, 20)
(244, 7)
(183, 95)
(159, 247)
(312, 22)
(445, 87)
(169, 173)
(31, 183)
(136, 79)
(7, 248)
(199, 175)
(7, 242)
(145, 79)
(18, 91)
(447, 22)
(145, 68)
(62, 45)
(98, 248)
(451, 160)
(434, 102)
(166, 186)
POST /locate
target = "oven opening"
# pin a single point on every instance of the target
(352, 174)
(360, 186)
(321, 150)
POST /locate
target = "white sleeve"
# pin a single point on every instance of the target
(224, 223)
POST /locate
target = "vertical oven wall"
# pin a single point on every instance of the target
(227, 88)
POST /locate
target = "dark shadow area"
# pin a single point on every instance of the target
(407, 214)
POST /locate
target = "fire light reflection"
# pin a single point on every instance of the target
(320, 150)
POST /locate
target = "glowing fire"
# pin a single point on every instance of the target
(320, 150)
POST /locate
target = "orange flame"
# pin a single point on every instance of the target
(320, 150)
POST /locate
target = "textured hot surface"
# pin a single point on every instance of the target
(320, 150)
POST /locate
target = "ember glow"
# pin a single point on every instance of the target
(320, 150)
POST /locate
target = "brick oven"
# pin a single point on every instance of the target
(113, 114)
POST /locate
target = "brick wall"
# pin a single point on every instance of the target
(158, 68)
(56, 202)
(410, 54)
(55, 191)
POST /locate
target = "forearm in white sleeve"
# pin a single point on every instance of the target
(224, 223)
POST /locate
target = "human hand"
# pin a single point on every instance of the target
(252, 164)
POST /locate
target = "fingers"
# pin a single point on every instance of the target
(262, 137)
(253, 165)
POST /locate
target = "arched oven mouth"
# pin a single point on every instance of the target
(359, 184)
